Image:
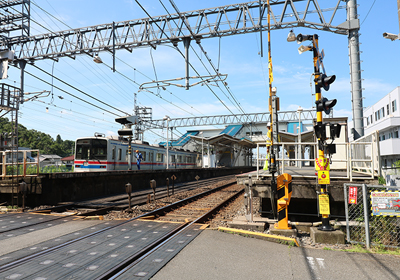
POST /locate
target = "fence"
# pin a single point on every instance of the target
(364, 228)
(15, 164)
(354, 158)
(366, 147)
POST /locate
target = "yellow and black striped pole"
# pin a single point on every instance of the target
(322, 163)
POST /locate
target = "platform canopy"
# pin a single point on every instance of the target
(225, 140)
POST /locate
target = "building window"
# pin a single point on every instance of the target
(383, 137)
(367, 121)
(383, 112)
(396, 134)
(394, 106)
(387, 110)
(372, 120)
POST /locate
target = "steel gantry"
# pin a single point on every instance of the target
(207, 23)
(233, 119)
(200, 24)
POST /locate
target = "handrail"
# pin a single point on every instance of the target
(24, 163)
(350, 159)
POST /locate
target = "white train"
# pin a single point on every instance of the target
(104, 154)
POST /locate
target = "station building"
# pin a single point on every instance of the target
(235, 145)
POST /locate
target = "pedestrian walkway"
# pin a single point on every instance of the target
(218, 255)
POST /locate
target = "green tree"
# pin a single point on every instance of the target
(34, 139)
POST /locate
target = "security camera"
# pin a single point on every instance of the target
(390, 36)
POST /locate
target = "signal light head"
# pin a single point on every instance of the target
(324, 81)
(325, 105)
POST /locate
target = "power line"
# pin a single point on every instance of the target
(209, 60)
(184, 56)
(71, 94)
(139, 72)
(69, 110)
(368, 12)
(75, 88)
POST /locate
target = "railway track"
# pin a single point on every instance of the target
(102, 206)
(131, 249)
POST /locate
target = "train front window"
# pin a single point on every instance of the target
(99, 149)
(82, 149)
(94, 149)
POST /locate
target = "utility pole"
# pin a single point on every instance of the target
(355, 69)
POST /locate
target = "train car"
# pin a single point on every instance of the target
(108, 153)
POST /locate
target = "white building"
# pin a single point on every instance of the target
(384, 117)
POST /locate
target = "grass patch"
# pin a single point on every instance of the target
(374, 250)
(328, 249)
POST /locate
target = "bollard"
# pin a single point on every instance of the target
(251, 199)
(167, 187)
(153, 185)
(23, 189)
(284, 190)
(128, 189)
(173, 178)
(197, 179)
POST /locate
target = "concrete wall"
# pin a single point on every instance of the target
(51, 189)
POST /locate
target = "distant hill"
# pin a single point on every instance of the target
(34, 139)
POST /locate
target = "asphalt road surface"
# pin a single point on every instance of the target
(218, 255)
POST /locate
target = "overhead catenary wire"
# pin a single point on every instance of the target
(75, 88)
(69, 110)
(135, 69)
(141, 73)
(66, 99)
(180, 52)
(106, 76)
(77, 97)
(205, 54)
(64, 117)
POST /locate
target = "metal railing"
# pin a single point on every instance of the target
(353, 160)
(10, 165)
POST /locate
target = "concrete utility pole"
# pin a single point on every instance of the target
(355, 70)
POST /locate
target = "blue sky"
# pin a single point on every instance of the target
(238, 57)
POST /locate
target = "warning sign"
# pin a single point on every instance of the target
(323, 178)
(352, 195)
(323, 200)
(322, 164)
(385, 203)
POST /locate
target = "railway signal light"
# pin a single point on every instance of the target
(335, 130)
(320, 131)
(325, 105)
(324, 81)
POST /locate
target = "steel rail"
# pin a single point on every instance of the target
(135, 259)
(152, 213)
